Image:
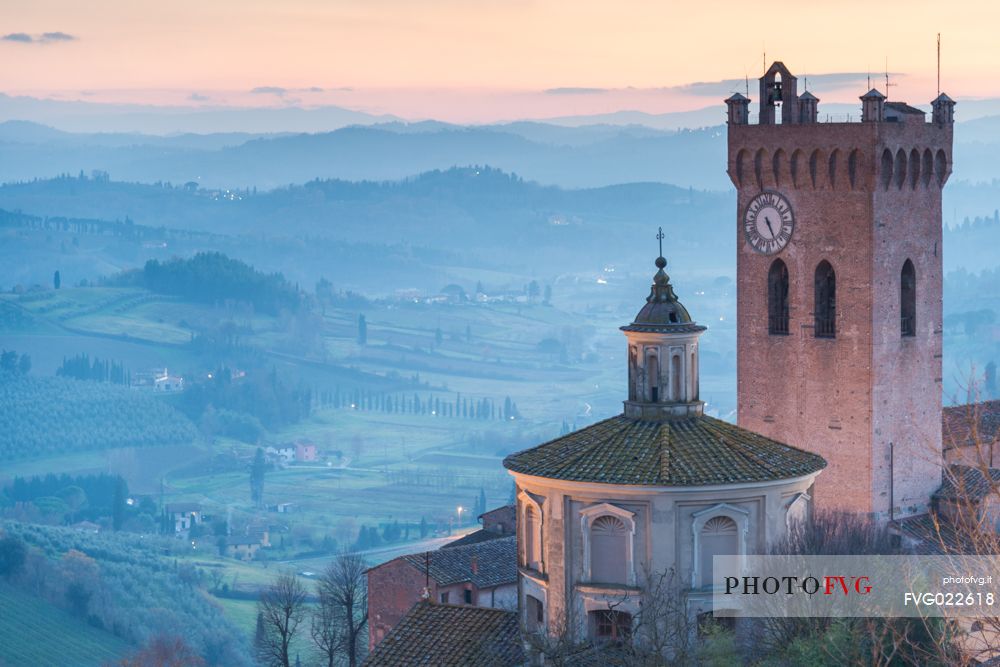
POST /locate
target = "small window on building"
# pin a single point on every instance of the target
(444, 598)
(908, 300)
(534, 615)
(825, 291)
(610, 625)
(777, 299)
(468, 596)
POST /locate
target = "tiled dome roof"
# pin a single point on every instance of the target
(695, 451)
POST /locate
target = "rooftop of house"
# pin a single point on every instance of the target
(933, 535)
(441, 635)
(475, 537)
(503, 509)
(903, 107)
(177, 508)
(970, 483)
(695, 451)
(495, 563)
(970, 424)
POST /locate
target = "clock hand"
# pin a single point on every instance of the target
(769, 228)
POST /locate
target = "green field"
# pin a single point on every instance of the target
(33, 632)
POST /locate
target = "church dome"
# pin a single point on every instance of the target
(663, 311)
(696, 451)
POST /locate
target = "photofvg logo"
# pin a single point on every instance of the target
(854, 586)
(789, 585)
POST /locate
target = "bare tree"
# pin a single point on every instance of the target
(326, 632)
(339, 623)
(282, 608)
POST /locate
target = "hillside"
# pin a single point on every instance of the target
(44, 416)
(42, 634)
(570, 157)
(605, 151)
(127, 583)
(427, 225)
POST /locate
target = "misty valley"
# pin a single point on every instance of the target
(229, 356)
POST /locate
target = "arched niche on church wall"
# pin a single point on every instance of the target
(699, 520)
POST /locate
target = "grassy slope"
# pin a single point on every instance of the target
(41, 634)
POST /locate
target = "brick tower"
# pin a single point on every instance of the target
(839, 288)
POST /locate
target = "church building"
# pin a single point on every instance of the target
(839, 314)
(660, 487)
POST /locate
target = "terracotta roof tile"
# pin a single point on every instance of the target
(475, 537)
(962, 482)
(441, 635)
(686, 452)
(496, 563)
(965, 425)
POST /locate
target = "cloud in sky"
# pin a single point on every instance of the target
(569, 90)
(724, 87)
(57, 37)
(44, 38)
(282, 92)
(198, 97)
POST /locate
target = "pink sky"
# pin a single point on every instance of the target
(481, 60)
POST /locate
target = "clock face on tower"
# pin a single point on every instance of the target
(768, 223)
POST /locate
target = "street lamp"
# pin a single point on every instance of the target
(460, 508)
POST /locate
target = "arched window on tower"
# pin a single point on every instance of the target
(777, 298)
(653, 377)
(532, 538)
(633, 371)
(826, 301)
(608, 550)
(908, 300)
(693, 375)
(675, 378)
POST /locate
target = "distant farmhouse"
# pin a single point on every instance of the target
(246, 546)
(300, 451)
(183, 516)
(158, 380)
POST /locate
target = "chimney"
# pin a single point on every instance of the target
(474, 565)
(873, 107)
(944, 110)
(738, 109)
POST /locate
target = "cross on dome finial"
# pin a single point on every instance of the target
(659, 237)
